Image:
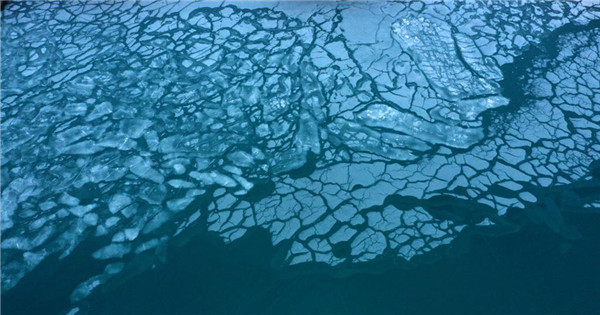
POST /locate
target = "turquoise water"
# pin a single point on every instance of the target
(532, 271)
(300, 157)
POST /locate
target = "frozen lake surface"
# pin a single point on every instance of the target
(332, 142)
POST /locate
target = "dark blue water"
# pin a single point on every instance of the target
(533, 271)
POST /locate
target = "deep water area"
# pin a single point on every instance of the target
(248, 157)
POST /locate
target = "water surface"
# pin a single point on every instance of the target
(307, 157)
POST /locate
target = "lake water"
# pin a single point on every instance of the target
(300, 157)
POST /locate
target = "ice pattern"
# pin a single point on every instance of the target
(340, 128)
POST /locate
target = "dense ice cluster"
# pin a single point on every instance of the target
(132, 122)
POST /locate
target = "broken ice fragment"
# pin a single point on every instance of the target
(118, 202)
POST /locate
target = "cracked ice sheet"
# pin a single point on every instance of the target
(128, 121)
